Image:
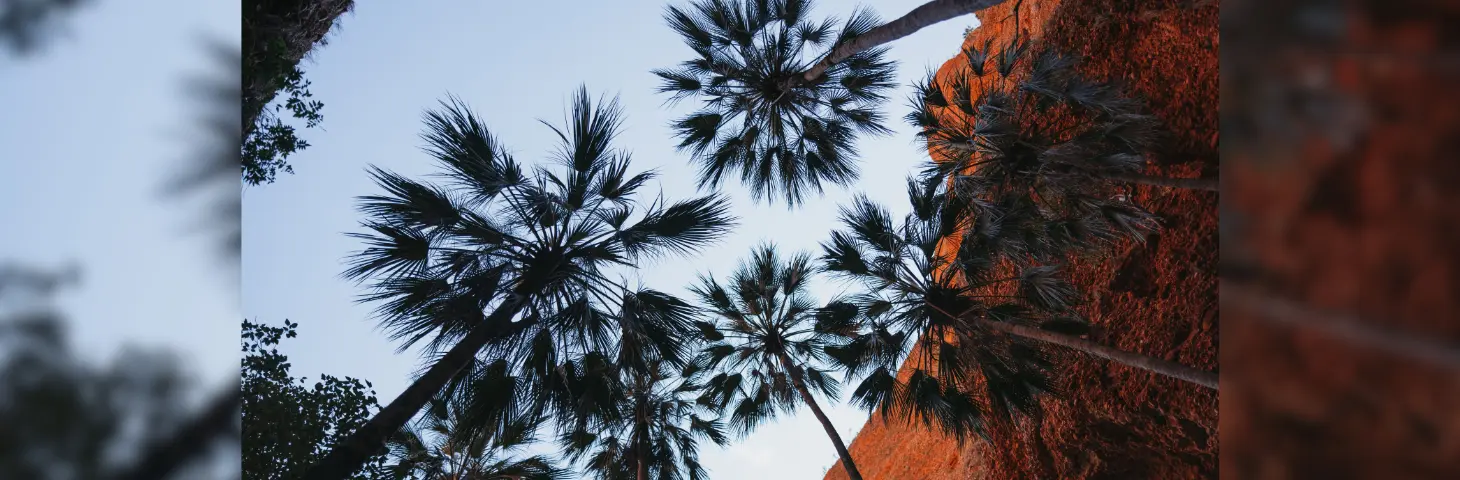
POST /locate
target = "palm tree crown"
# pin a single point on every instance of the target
(514, 270)
(765, 331)
(1008, 125)
(442, 255)
(767, 342)
(444, 445)
(655, 429)
(920, 288)
(785, 136)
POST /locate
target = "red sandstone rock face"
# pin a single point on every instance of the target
(1366, 229)
(1159, 299)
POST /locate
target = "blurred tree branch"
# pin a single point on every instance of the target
(66, 418)
(189, 444)
(1357, 331)
(25, 25)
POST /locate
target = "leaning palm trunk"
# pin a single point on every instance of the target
(1150, 364)
(841, 448)
(351, 453)
(923, 16)
(1209, 184)
(642, 443)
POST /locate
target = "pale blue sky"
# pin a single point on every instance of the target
(516, 63)
(89, 132)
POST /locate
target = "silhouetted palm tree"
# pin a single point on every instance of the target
(967, 311)
(767, 340)
(518, 265)
(445, 446)
(783, 138)
(783, 95)
(653, 435)
(587, 386)
(1036, 127)
(907, 274)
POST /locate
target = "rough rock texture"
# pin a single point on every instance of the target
(1160, 299)
(1358, 219)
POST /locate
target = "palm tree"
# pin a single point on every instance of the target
(783, 95)
(784, 138)
(958, 299)
(517, 264)
(653, 435)
(445, 446)
(895, 328)
(767, 339)
(1036, 127)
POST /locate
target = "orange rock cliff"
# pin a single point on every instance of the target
(1159, 299)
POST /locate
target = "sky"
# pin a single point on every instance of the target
(91, 131)
(104, 123)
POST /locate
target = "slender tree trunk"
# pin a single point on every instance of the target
(1143, 362)
(1363, 332)
(841, 448)
(352, 452)
(643, 473)
(923, 16)
(642, 445)
(1208, 184)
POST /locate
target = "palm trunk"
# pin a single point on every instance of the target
(352, 452)
(841, 448)
(643, 473)
(1208, 184)
(1358, 331)
(1150, 364)
(642, 445)
(923, 16)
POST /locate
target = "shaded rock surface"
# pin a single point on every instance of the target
(1158, 299)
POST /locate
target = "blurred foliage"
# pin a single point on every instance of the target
(64, 417)
(205, 179)
(25, 25)
(287, 425)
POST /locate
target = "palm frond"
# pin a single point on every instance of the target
(615, 185)
(680, 228)
(843, 255)
(409, 203)
(589, 133)
(681, 83)
(473, 158)
(391, 251)
(838, 318)
(1042, 287)
(875, 391)
(870, 224)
